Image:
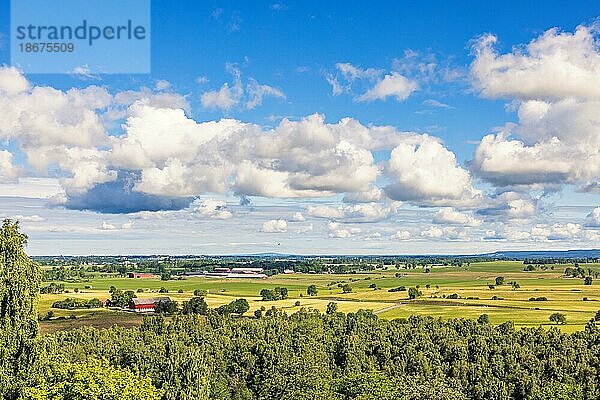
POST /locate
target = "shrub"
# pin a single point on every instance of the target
(558, 318)
(398, 289)
(538, 299)
(413, 293)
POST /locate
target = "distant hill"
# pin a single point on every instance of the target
(594, 253)
(265, 255)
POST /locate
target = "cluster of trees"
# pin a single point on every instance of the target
(413, 293)
(195, 305)
(53, 288)
(166, 307)
(238, 306)
(346, 288)
(121, 298)
(578, 272)
(65, 273)
(311, 290)
(558, 318)
(279, 293)
(533, 267)
(198, 306)
(71, 303)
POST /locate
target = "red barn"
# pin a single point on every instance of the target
(146, 305)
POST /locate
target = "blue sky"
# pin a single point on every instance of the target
(139, 177)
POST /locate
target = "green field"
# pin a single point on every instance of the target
(565, 295)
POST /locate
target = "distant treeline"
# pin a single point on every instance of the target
(78, 269)
(583, 260)
(82, 268)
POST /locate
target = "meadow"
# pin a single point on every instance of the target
(470, 284)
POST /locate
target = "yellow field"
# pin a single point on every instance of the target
(565, 295)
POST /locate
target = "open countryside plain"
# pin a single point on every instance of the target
(470, 283)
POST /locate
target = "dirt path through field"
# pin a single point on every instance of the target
(389, 308)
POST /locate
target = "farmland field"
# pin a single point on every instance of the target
(469, 287)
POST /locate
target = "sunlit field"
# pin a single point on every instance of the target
(470, 284)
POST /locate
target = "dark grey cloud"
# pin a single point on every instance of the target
(118, 197)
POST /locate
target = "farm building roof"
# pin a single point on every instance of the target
(149, 300)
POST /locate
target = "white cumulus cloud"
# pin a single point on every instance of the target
(392, 85)
(427, 173)
(448, 215)
(275, 226)
(554, 82)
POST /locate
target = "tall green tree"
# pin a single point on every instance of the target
(19, 289)
(195, 305)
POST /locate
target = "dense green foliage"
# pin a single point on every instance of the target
(195, 305)
(92, 380)
(308, 355)
(120, 298)
(166, 306)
